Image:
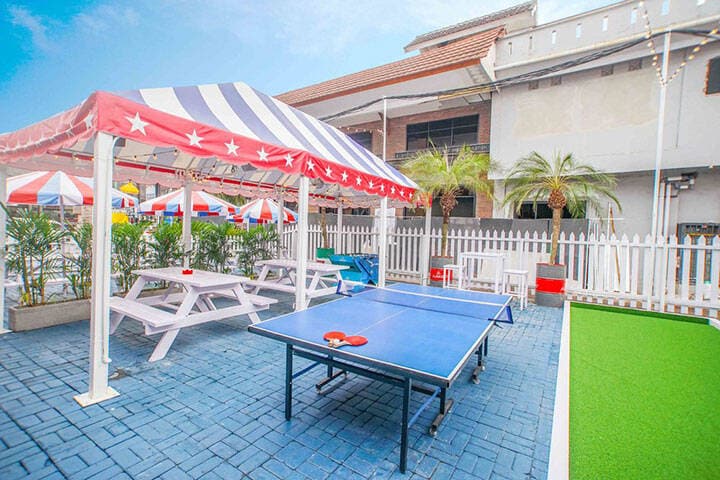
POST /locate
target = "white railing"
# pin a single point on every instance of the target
(604, 269)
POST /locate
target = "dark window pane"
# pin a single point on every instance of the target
(471, 120)
(363, 138)
(441, 124)
(417, 128)
(713, 79)
(417, 142)
(542, 211)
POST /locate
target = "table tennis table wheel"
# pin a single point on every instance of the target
(433, 430)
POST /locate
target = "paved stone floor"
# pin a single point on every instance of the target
(213, 409)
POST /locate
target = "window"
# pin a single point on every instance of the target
(633, 15)
(554, 81)
(605, 22)
(712, 84)
(578, 30)
(553, 37)
(527, 212)
(665, 9)
(440, 133)
(635, 64)
(364, 139)
(606, 70)
(534, 85)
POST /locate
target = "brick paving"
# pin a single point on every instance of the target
(213, 409)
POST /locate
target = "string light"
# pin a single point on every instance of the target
(655, 55)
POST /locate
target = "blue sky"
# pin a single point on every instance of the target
(55, 53)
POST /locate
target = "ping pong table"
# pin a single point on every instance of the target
(419, 339)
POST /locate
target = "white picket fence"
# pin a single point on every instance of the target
(616, 271)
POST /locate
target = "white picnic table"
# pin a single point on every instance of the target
(468, 265)
(322, 278)
(190, 296)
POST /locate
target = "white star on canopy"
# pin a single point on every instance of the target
(137, 123)
(232, 148)
(328, 171)
(263, 154)
(382, 187)
(194, 138)
(310, 165)
(358, 180)
(88, 120)
(392, 189)
(288, 160)
(371, 184)
(344, 176)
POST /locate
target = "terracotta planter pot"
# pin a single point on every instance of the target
(436, 269)
(49, 315)
(550, 285)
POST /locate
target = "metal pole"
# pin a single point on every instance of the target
(3, 246)
(187, 222)
(425, 250)
(382, 234)
(666, 250)
(658, 166)
(281, 219)
(302, 243)
(98, 388)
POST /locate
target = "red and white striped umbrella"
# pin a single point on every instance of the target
(57, 188)
(203, 204)
(264, 210)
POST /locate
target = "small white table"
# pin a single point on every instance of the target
(323, 277)
(190, 296)
(468, 261)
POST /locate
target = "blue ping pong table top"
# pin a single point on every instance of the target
(410, 335)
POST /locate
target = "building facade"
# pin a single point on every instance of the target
(584, 84)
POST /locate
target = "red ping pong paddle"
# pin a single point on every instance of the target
(339, 339)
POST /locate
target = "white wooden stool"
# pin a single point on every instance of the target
(450, 271)
(522, 285)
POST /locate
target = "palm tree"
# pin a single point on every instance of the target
(436, 175)
(563, 181)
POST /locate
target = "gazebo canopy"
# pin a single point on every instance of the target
(227, 137)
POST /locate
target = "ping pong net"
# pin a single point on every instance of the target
(489, 309)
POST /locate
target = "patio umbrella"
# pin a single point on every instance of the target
(130, 189)
(264, 210)
(203, 204)
(57, 188)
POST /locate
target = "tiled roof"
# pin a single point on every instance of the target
(457, 54)
(475, 22)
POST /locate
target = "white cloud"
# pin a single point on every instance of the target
(106, 17)
(22, 17)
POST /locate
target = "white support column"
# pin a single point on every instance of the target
(383, 242)
(3, 243)
(425, 247)
(302, 243)
(339, 243)
(656, 223)
(187, 223)
(281, 219)
(98, 388)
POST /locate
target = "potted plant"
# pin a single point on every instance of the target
(564, 182)
(437, 175)
(35, 257)
(324, 251)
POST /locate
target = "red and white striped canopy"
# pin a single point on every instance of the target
(58, 188)
(264, 210)
(233, 137)
(203, 204)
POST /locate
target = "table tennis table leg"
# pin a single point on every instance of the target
(331, 375)
(407, 389)
(288, 381)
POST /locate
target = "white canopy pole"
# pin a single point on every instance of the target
(98, 388)
(187, 222)
(658, 166)
(3, 241)
(339, 240)
(302, 243)
(383, 242)
(425, 247)
(281, 219)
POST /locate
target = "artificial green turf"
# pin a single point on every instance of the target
(644, 397)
